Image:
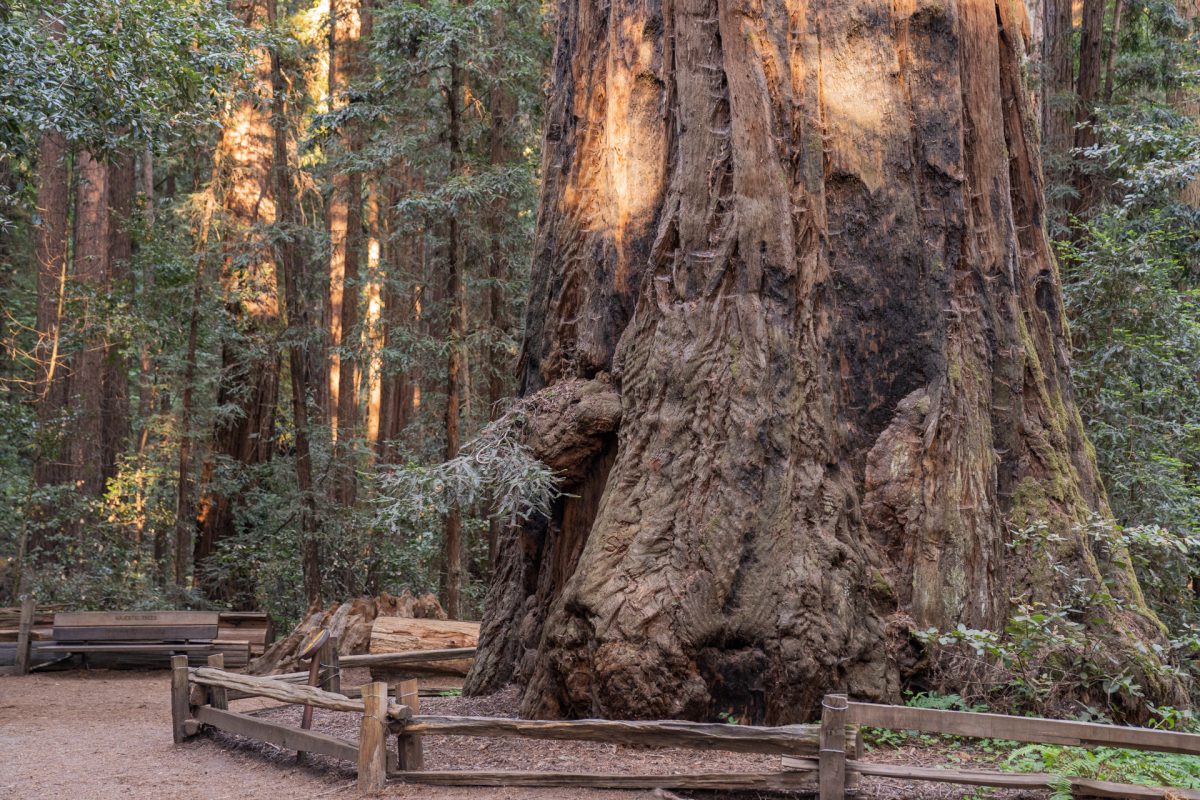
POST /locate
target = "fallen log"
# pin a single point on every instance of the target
(392, 636)
(350, 622)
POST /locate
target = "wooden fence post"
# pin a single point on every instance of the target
(832, 756)
(372, 742)
(335, 670)
(218, 697)
(409, 750)
(25, 635)
(179, 697)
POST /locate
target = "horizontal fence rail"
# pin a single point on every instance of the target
(285, 736)
(286, 692)
(785, 740)
(1086, 787)
(388, 660)
(729, 781)
(1022, 729)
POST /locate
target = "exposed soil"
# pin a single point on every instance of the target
(108, 734)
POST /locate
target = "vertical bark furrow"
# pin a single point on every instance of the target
(604, 141)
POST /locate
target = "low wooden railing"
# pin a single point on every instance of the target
(824, 757)
(832, 765)
(200, 697)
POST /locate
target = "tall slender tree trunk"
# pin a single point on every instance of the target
(1187, 99)
(85, 396)
(1112, 48)
(1057, 90)
(292, 257)
(349, 23)
(185, 505)
(249, 361)
(372, 335)
(1087, 93)
(145, 379)
(51, 248)
(796, 338)
(404, 259)
(115, 400)
(456, 298)
(502, 109)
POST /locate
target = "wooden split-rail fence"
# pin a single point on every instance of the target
(825, 758)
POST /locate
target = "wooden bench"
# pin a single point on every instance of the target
(142, 633)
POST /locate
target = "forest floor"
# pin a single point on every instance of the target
(107, 734)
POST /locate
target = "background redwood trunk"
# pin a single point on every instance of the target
(845, 375)
(457, 299)
(51, 247)
(250, 363)
(347, 20)
(292, 256)
(90, 272)
(121, 188)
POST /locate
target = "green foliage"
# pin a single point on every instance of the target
(494, 468)
(1107, 764)
(114, 72)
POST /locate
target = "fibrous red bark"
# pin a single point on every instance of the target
(806, 241)
(249, 362)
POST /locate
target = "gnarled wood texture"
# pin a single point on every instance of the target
(803, 242)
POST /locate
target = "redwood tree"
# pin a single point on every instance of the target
(796, 340)
(250, 362)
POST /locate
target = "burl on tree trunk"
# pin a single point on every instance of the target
(796, 335)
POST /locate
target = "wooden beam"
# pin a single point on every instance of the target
(217, 696)
(730, 781)
(410, 751)
(88, 619)
(250, 685)
(25, 635)
(129, 647)
(832, 756)
(134, 633)
(411, 657)
(284, 736)
(1022, 729)
(372, 744)
(333, 660)
(179, 697)
(788, 739)
(383, 659)
(1002, 780)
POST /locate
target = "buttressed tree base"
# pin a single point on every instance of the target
(796, 339)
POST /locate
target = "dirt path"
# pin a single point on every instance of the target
(105, 735)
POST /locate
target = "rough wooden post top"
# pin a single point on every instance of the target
(835, 702)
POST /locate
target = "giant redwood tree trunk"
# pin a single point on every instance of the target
(796, 339)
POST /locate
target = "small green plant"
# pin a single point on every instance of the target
(1105, 763)
(887, 738)
(728, 718)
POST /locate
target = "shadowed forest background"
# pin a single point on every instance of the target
(264, 264)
